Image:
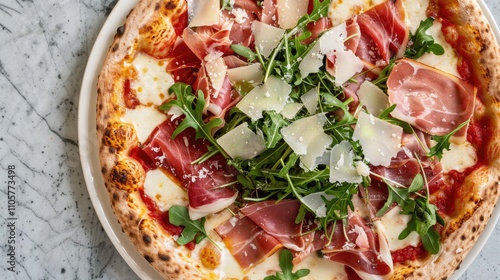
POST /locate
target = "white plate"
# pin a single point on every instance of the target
(89, 152)
(90, 158)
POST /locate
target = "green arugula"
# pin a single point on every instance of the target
(192, 107)
(423, 214)
(277, 173)
(193, 230)
(443, 142)
(421, 42)
(286, 265)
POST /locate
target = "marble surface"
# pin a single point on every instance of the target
(44, 46)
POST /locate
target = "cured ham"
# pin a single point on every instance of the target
(246, 241)
(375, 36)
(405, 166)
(429, 99)
(383, 33)
(366, 253)
(278, 220)
(204, 182)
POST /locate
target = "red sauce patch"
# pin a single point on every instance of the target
(162, 218)
(409, 253)
(181, 23)
(130, 99)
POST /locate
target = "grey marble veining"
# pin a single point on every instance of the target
(44, 46)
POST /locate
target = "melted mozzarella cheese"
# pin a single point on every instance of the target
(153, 81)
(459, 157)
(449, 60)
(416, 12)
(379, 139)
(241, 142)
(144, 119)
(391, 225)
(163, 191)
(342, 10)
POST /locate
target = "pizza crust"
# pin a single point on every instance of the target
(463, 230)
(124, 176)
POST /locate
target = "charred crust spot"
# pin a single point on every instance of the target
(146, 239)
(481, 218)
(463, 237)
(116, 197)
(157, 6)
(148, 258)
(126, 175)
(419, 274)
(104, 170)
(131, 216)
(117, 136)
(115, 47)
(164, 257)
(177, 271)
(119, 176)
(474, 229)
(120, 30)
(170, 5)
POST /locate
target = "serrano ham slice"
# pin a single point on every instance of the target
(366, 253)
(383, 33)
(204, 182)
(430, 99)
(246, 241)
(278, 220)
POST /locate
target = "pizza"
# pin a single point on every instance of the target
(310, 139)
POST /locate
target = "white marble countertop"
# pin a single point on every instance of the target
(44, 46)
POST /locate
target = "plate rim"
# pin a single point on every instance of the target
(89, 152)
(88, 147)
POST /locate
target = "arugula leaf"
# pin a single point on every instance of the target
(286, 265)
(193, 230)
(385, 115)
(193, 113)
(423, 214)
(421, 42)
(423, 219)
(399, 195)
(443, 142)
(273, 123)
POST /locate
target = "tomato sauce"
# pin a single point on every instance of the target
(162, 218)
(409, 253)
(130, 99)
